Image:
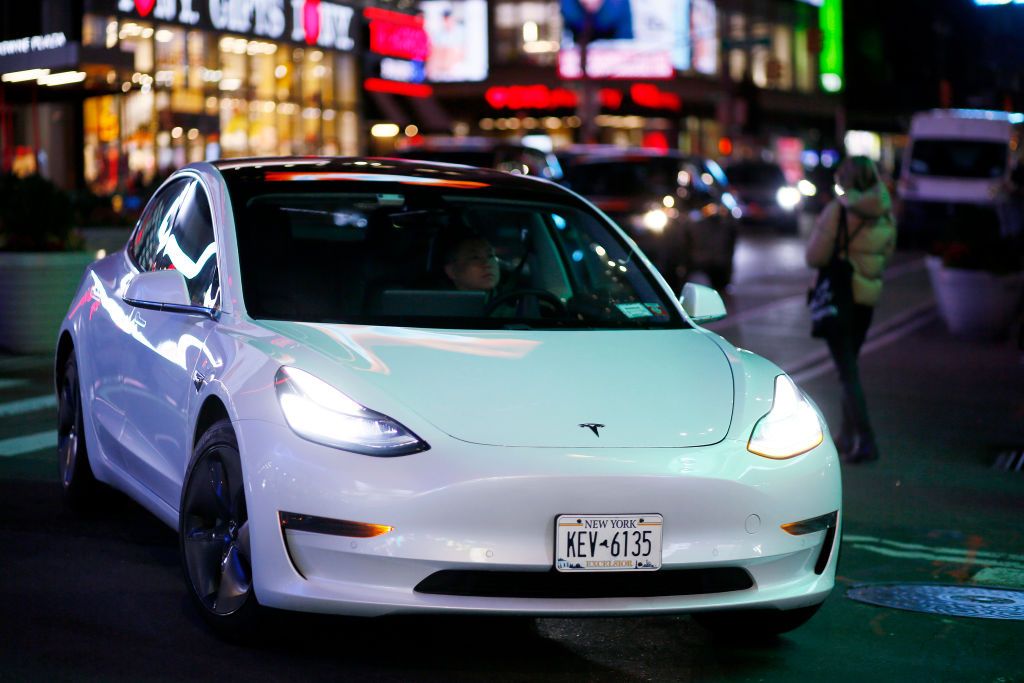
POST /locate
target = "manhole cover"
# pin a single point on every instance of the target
(954, 601)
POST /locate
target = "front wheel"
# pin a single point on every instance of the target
(78, 485)
(214, 535)
(755, 624)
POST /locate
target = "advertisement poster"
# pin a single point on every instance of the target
(458, 40)
(704, 36)
(626, 38)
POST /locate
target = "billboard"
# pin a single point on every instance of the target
(458, 40)
(626, 38)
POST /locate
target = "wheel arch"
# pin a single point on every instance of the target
(211, 411)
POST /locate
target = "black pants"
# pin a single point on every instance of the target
(845, 352)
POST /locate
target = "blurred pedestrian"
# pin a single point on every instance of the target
(864, 210)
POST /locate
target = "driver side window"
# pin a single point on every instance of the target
(155, 225)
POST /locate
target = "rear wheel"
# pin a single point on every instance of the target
(78, 485)
(214, 535)
(754, 624)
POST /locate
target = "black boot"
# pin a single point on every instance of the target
(864, 449)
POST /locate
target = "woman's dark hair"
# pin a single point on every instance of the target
(857, 173)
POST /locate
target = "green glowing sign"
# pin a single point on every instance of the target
(831, 60)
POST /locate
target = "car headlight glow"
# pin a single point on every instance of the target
(318, 412)
(807, 188)
(655, 220)
(790, 428)
(788, 197)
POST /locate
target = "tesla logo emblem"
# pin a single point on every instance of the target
(593, 426)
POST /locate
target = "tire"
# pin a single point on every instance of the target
(213, 536)
(79, 489)
(759, 624)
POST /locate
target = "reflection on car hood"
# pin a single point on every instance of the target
(648, 388)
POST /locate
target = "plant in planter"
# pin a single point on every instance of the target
(41, 262)
(978, 282)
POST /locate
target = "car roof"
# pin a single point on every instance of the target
(256, 168)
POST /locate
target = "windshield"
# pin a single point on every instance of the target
(756, 174)
(959, 158)
(627, 177)
(393, 254)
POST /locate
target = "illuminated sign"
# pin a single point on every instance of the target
(998, 2)
(397, 51)
(23, 46)
(321, 23)
(515, 97)
(394, 34)
(625, 39)
(831, 58)
(458, 40)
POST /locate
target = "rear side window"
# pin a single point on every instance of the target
(959, 158)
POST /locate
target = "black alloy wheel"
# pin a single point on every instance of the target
(79, 487)
(214, 534)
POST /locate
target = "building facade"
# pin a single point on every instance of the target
(109, 95)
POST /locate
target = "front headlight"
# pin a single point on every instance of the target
(788, 197)
(317, 411)
(790, 428)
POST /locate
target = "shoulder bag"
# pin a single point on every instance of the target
(831, 299)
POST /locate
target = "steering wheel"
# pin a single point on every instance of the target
(524, 294)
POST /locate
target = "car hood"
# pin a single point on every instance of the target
(646, 388)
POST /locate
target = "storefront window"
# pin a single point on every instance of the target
(527, 31)
(195, 94)
(780, 66)
(737, 56)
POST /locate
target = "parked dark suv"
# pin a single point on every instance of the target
(676, 207)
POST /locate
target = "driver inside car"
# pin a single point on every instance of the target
(472, 265)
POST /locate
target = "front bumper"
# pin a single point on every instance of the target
(466, 507)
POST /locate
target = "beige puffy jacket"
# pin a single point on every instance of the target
(869, 221)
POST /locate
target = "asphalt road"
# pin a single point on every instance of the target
(102, 597)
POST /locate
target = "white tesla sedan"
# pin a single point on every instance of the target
(371, 386)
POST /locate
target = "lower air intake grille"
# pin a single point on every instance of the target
(552, 584)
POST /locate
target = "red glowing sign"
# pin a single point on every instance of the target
(543, 97)
(394, 34)
(653, 97)
(397, 87)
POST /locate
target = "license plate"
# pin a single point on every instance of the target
(594, 543)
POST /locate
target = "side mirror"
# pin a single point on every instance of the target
(158, 287)
(163, 290)
(702, 304)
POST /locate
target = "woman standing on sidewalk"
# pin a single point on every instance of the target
(871, 229)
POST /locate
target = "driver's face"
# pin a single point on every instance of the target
(475, 267)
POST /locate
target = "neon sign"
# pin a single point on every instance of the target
(394, 34)
(322, 23)
(542, 97)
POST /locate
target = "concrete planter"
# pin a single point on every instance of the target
(974, 303)
(36, 292)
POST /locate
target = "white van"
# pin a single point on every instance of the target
(957, 160)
